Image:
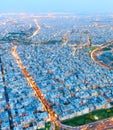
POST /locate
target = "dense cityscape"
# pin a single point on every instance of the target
(69, 58)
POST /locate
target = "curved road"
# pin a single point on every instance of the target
(52, 115)
(93, 55)
(101, 125)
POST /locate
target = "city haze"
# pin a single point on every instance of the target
(35, 6)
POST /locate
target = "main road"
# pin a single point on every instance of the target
(52, 114)
(101, 125)
(93, 55)
(37, 30)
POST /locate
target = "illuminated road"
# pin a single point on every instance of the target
(93, 56)
(52, 115)
(101, 125)
(37, 30)
(38, 93)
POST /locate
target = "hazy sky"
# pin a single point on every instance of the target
(77, 6)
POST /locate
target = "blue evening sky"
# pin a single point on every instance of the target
(77, 6)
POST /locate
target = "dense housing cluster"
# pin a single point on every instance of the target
(19, 107)
(72, 84)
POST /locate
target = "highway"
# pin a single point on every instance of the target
(93, 55)
(100, 125)
(53, 116)
(37, 30)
